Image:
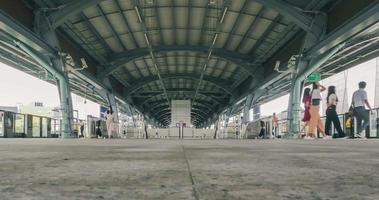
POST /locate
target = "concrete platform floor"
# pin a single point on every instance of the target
(189, 169)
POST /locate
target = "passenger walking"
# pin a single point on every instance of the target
(262, 133)
(315, 120)
(331, 113)
(109, 122)
(274, 125)
(82, 129)
(307, 105)
(360, 113)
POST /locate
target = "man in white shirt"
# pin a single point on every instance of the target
(360, 113)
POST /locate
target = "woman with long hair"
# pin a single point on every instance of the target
(315, 120)
(109, 122)
(331, 113)
(307, 103)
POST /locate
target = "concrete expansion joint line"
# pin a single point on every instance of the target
(196, 193)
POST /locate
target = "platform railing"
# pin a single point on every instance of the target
(349, 131)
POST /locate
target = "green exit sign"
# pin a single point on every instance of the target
(315, 76)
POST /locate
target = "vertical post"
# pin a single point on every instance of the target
(47, 33)
(376, 100)
(66, 107)
(246, 111)
(302, 66)
(293, 115)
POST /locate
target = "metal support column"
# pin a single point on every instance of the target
(246, 111)
(44, 29)
(302, 66)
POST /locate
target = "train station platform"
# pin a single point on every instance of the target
(189, 169)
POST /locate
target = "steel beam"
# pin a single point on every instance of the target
(69, 10)
(62, 83)
(219, 83)
(214, 101)
(153, 92)
(24, 35)
(358, 23)
(119, 59)
(295, 15)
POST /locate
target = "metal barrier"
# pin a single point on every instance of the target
(373, 131)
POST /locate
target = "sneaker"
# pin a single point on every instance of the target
(357, 135)
(327, 137)
(308, 138)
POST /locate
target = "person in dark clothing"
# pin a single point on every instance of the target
(82, 129)
(331, 113)
(262, 133)
(359, 102)
(98, 130)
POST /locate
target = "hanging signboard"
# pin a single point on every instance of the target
(315, 76)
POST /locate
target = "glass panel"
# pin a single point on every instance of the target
(1, 124)
(19, 123)
(36, 127)
(44, 127)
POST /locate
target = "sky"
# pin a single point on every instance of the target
(19, 88)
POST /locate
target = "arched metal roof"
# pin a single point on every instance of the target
(211, 52)
(181, 34)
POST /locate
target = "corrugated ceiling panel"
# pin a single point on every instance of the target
(140, 64)
(108, 6)
(247, 45)
(231, 67)
(181, 17)
(170, 58)
(154, 37)
(135, 74)
(237, 4)
(133, 22)
(117, 22)
(91, 12)
(180, 2)
(129, 66)
(114, 44)
(261, 26)
(197, 19)
(101, 26)
(144, 72)
(233, 42)
(194, 36)
(243, 24)
(148, 61)
(139, 37)
(128, 41)
(181, 36)
(181, 58)
(125, 4)
(199, 2)
(253, 7)
(168, 37)
(270, 14)
(229, 21)
(212, 62)
(164, 2)
(226, 75)
(166, 17)
(222, 40)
